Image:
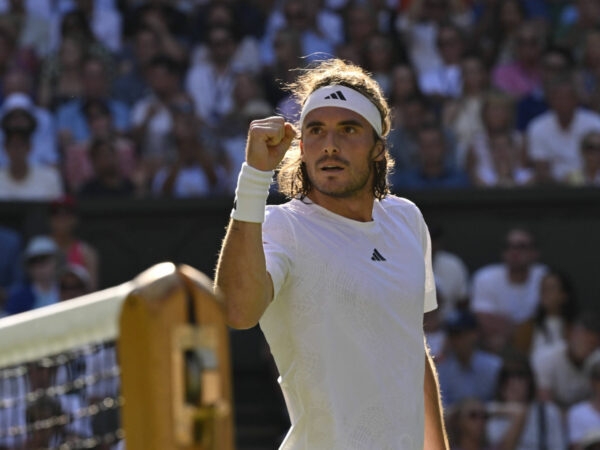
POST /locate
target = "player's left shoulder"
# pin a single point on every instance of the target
(395, 205)
(394, 201)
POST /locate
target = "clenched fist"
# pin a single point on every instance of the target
(268, 140)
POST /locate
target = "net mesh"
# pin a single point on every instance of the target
(59, 376)
(69, 400)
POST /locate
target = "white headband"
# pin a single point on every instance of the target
(343, 97)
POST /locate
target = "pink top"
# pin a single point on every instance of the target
(515, 80)
(75, 254)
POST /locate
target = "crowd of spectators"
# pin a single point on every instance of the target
(517, 350)
(134, 98)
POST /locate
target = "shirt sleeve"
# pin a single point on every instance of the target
(278, 245)
(430, 300)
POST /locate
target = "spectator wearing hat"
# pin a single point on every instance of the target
(40, 288)
(20, 180)
(64, 219)
(464, 370)
(17, 85)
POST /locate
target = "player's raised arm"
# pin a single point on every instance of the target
(241, 273)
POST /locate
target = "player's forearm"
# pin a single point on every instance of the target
(435, 431)
(241, 271)
(242, 276)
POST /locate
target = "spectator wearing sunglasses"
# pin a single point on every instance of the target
(467, 425)
(505, 295)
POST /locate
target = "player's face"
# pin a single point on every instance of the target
(338, 148)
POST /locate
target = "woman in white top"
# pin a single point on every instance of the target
(463, 114)
(557, 307)
(497, 114)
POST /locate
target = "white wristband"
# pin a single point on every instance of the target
(251, 194)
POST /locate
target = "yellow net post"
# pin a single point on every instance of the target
(174, 355)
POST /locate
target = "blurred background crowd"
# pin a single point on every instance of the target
(141, 99)
(135, 98)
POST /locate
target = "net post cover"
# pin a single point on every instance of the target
(173, 349)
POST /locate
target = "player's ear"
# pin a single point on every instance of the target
(378, 150)
(301, 145)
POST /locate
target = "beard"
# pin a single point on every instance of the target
(354, 181)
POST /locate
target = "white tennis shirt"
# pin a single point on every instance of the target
(345, 325)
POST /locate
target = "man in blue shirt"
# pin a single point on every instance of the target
(435, 168)
(463, 369)
(70, 117)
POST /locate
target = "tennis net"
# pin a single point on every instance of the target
(158, 341)
(59, 375)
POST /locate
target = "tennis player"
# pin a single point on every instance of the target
(340, 276)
